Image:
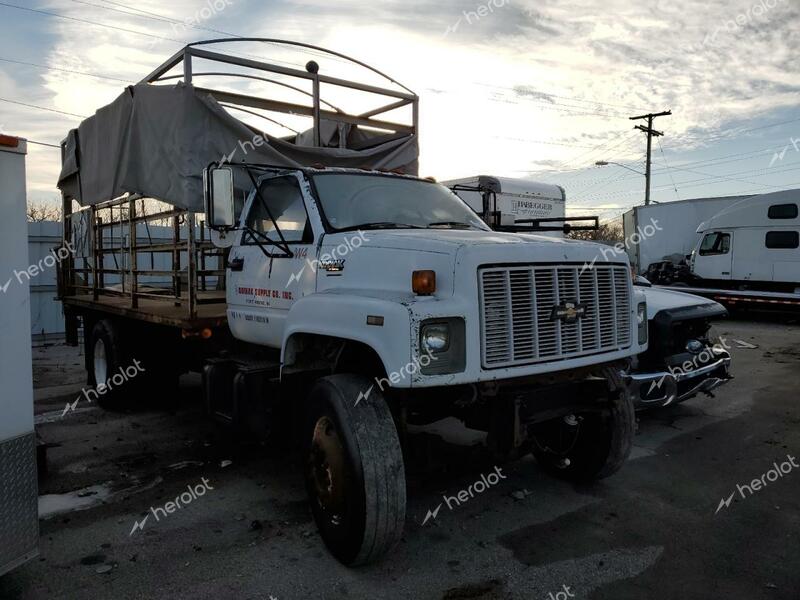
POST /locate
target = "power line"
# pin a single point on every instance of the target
(43, 143)
(712, 162)
(43, 108)
(87, 21)
(586, 109)
(560, 107)
(527, 140)
(763, 173)
(30, 64)
(573, 98)
(740, 132)
(664, 156)
(594, 149)
(126, 30)
(153, 16)
(713, 179)
(159, 17)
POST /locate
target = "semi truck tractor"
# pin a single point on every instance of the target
(327, 292)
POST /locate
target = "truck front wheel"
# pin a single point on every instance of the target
(354, 469)
(587, 446)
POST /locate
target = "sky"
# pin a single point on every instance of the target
(537, 90)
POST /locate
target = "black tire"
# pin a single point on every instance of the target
(104, 334)
(354, 469)
(596, 447)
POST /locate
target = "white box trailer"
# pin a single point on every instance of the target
(19, 519)
(513, 200)
(678, 223)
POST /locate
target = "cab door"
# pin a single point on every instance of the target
(714, 259)
(264, 280)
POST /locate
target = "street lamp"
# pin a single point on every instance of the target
(603, 163)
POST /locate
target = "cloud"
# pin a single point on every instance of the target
(564, 71)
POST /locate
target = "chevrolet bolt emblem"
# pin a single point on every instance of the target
(568, 312)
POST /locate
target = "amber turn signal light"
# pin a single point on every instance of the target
(423, 283)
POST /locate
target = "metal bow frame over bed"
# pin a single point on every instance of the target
(141, 256)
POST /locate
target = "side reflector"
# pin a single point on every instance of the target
(423, 283)
(376, 320)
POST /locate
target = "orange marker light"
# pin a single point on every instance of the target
(423, 283)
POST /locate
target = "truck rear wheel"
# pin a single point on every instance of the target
(587, 446)
(104, 359)
(354, 469)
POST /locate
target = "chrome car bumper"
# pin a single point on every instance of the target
(650, 390)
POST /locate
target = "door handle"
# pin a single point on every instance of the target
(236, 264)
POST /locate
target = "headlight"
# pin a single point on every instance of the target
(641, 321)
(435, 338)
(442, 346)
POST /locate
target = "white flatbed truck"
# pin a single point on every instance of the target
(349, 303)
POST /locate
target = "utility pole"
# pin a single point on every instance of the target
(650, 134)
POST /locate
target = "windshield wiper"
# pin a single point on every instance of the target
(381, 225)
(451, 224)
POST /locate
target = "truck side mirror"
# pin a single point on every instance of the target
(219, 198)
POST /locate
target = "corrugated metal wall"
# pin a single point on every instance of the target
(47, 319)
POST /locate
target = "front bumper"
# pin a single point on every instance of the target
(653, 390)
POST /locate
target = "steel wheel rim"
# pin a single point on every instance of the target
(100, 362)
(326, 470)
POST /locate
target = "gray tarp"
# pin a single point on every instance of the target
(156, 141)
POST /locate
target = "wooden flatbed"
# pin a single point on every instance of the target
(210, 309)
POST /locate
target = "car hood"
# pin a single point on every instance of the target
(659, 299)
(515, 246)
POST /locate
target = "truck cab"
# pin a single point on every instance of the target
(753, 244)
(387, 259)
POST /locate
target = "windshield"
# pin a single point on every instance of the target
(352, 201)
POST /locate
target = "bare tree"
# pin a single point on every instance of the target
(610, 231)
(43, 211)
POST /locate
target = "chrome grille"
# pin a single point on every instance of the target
(517, 306)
